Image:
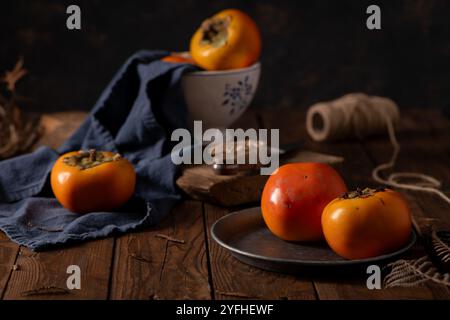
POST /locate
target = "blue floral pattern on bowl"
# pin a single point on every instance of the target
(237, 96)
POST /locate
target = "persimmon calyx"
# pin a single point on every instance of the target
(87, 159)
(215, 31)
(361, 193)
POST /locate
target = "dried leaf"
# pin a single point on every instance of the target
(440, 241)
(410, 273)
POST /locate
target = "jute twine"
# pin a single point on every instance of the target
(359, 115)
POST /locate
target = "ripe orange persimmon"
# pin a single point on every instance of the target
(294, 197)
(228, 40)
(88, 181)
(367, 223)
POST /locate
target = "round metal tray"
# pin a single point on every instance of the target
(246, 236)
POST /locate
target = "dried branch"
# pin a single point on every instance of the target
(17, 133)
(237, 295)
(11, 77)
(140, 258)
(169, 238)
(45, 291)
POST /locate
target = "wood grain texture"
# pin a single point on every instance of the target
(345, 290)
(8, 254)
(58, 127)
(234, 280)
(173, 260)
(149, 266)
(43, 275)
(201, 183)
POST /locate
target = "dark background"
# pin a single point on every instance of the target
(312, 50)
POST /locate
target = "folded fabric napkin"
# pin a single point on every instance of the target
(133, 116)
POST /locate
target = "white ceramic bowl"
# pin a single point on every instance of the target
(218, 98)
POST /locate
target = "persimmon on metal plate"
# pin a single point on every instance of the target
(247, 237)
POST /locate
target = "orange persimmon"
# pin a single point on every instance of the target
(228, 40)
(367, 223)
(88, 181)
(294, 197)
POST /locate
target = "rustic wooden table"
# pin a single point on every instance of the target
(142, 265)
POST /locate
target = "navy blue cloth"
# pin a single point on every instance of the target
(134, 116)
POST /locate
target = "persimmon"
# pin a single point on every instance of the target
(294, 197)
(228, 40)
(179, 57)
(88, 181)
(367, 223)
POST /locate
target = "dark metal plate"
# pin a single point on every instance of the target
(245, 234)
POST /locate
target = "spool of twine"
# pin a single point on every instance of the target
(354, 115)
(358, 115)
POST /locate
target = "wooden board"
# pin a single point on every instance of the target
(201, 183)
(44, 275)
(147, 266)
(8, 256)
(141, 265)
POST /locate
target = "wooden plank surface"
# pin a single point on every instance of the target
(142, 265)
(8, 254)
(148, 266)
(43, 275)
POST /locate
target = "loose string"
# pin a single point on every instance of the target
(425, 183)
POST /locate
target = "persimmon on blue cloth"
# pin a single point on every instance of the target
(133, 116)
